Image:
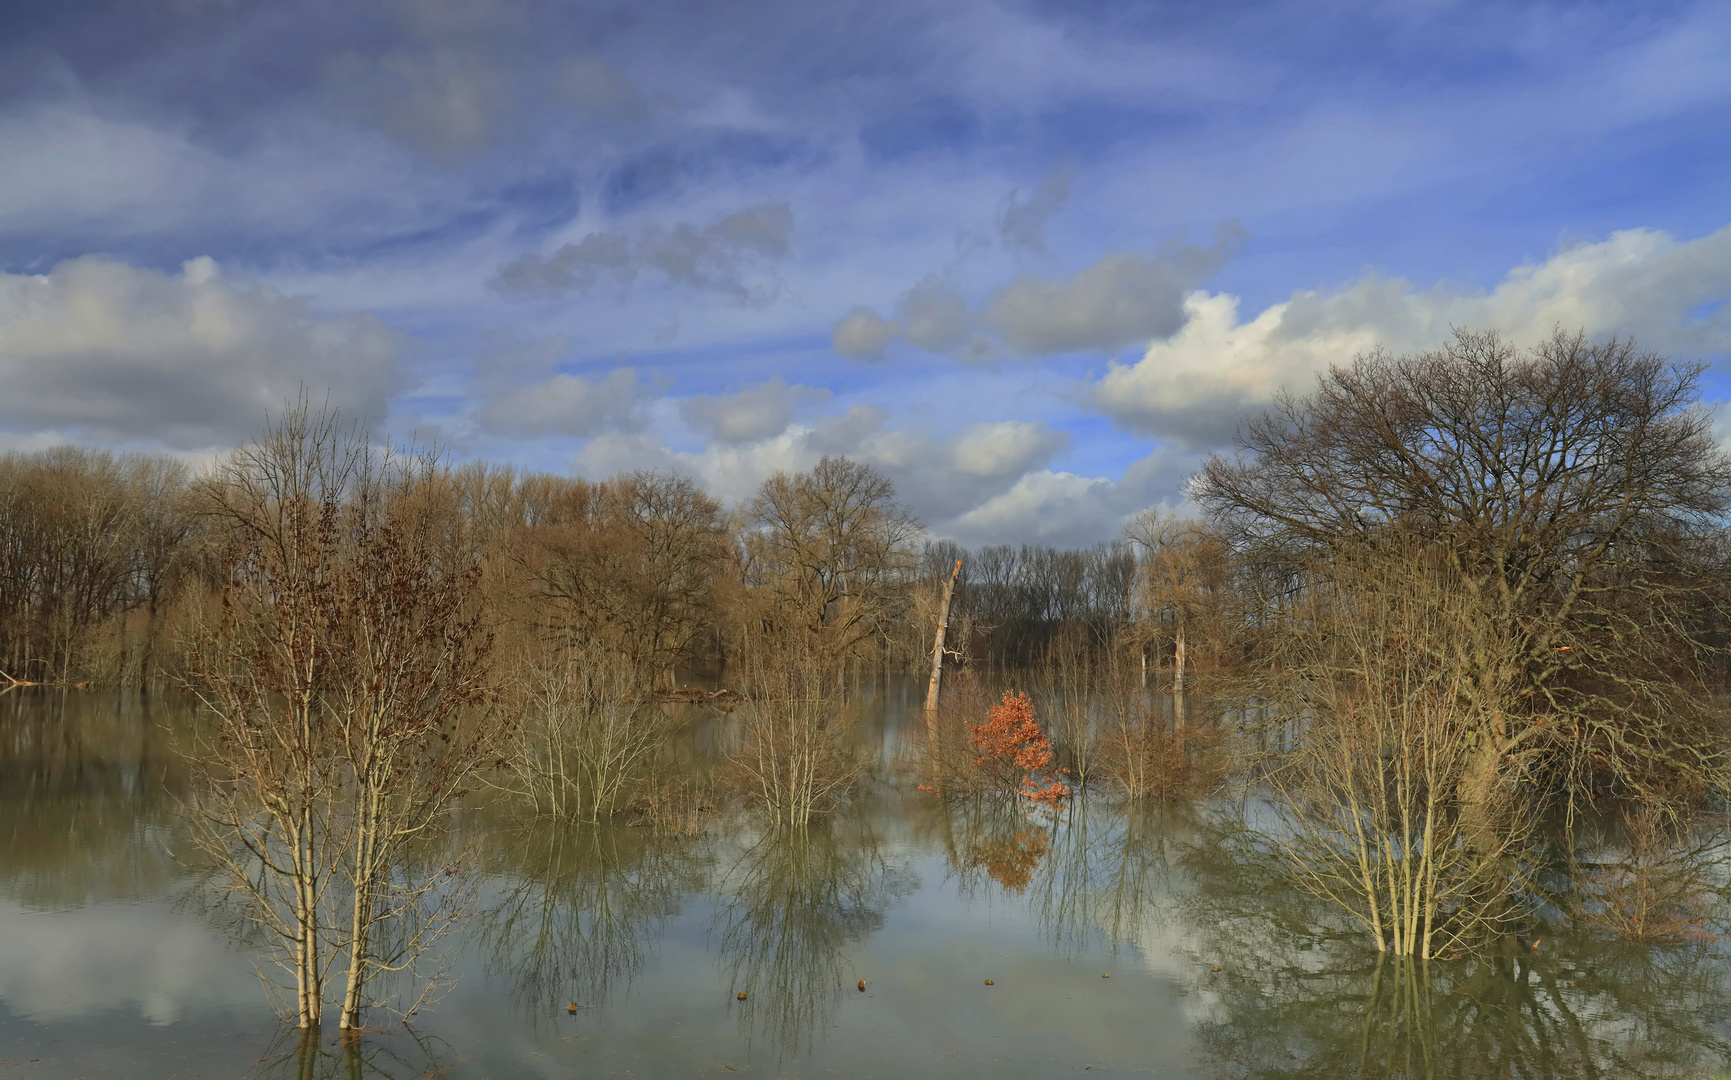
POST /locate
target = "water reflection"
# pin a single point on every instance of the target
(1288, 994)
(987, 838)
(581, 908)
(398, 1055)
(794, 902)
(1112, 872)
(86, 796)
(566, 913)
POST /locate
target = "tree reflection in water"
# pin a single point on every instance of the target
(582, 907)
(794, 901)
(399, 1055)
(87, 786)
(1112, 874)
(1299, 995)
(1096, 871)
(987, 837)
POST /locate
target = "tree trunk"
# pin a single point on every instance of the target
(1178, 678)
(366, 877)
(938, 643)
(1478, 786)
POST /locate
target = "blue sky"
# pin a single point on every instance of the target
(1033, 260)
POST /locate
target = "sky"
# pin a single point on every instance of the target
(1035, 261)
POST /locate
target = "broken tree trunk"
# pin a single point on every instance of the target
(938, 641)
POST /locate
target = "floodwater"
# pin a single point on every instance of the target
(116, 962)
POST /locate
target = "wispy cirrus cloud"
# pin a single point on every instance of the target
(730, 257)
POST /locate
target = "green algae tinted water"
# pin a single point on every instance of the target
(117, 961)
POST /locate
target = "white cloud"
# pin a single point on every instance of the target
(942, 479)
(1196, 386)
(565, 404)
(189, 360)
(1069, 510)
(62, 168)
(77, 168)
(754, 413)
(863, 334)
(1124, 298)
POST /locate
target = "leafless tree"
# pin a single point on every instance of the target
(1368, 689)
(638, 570)
(832, 548)
(345, 680)
(590, 732)
(794, 757)
(1579, 497)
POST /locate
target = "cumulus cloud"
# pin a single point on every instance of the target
(863, 334)
(932, 316)
(987, 483)
(565, 404)
(190, 360)
(1066, 509)
(726, 257)
(1123, 299)
(1023, 224)
(938, 477)
(1195, 387)
(754, 413)
(1120, 300)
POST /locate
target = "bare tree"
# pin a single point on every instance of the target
(1369, 688)
(345, 679)
(589, 733)
(637, 569)
(1579, 497)
(832, 547)
(1180, 586)
(795, 756)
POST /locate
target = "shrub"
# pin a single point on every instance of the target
(1015, 754)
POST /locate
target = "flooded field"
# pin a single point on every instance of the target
(905, 936)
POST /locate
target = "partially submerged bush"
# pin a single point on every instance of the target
(1014, 754)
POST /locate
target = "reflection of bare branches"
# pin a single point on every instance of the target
(1096, 869)
(1110, 874)
(988, 837)
(1656, 878)
(1294, 993)
(402, 1053)
(795, 902)
(582, 909)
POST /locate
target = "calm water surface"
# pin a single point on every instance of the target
(114, 961)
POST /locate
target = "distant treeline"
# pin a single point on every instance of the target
(109, 561)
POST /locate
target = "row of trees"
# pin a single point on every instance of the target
(107, 563)
(1429, 605)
